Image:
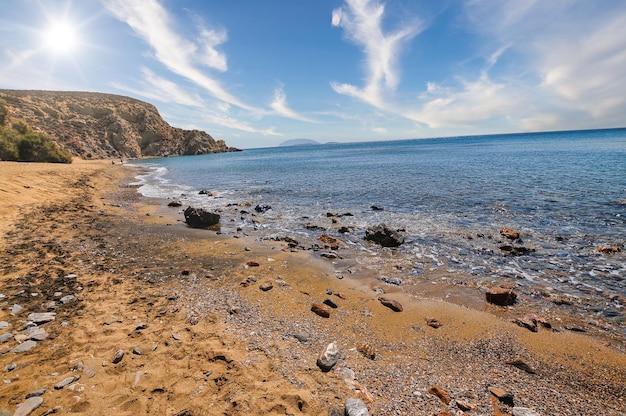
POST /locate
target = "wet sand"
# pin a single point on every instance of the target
(200, 336)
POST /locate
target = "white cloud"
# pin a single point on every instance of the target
(279, 105)
(362, 22)
(151, 22)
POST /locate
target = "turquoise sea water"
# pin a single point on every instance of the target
(564, 191)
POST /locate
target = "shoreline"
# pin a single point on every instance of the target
(187, 308)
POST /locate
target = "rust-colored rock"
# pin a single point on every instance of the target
(320, 310)
(509, 233)
(501, 296)
(465, 406)
(608, 249)
(252, 264)
(394, 305)
(330, 242)
(367, 351)
(440, 393)
(434, 323)
(522, 365)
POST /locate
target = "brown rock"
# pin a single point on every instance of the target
(526, 323)
(501, 296)
(503, 396)
(509, 233)
(432, 322)
(330, 242)
(320, 310)
(608, 249)
(367, 351)
(266, 286)
(394, 305)
(441, 393)
(464, 406)
(252, 264)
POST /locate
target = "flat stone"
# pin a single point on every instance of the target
(504, 396)
(65, 382)
(36, 333)
(67, 299)
(356, 407)
(6, 337)
(4, 324)
(42, 318)
(27, 407)
(16, 309)
(522, 365)
(394, 305)
(36, 393)
(320, 310)
(524, 411)
(24, 347)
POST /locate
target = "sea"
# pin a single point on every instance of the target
(564, 192)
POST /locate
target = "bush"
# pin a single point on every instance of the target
(19, 142)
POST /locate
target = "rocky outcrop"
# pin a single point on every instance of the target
(97, 125)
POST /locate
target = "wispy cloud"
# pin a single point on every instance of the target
(280, 106)
(362, 22)
(151, 22)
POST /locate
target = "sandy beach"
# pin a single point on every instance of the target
(135, 313)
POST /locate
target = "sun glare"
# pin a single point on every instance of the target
(61, 38)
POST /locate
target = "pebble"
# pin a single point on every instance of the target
(42, 318)
(266, 286)
(10, 367)
(28, 406)
(301, 337)
(356, 407)
(4, 324)
(522, 365)
(330, 302)
(320, 310)
(440, 393)
(329, 357)
(394, 305)
(24, 347)
(36, 333)
(434, 323)
(36, 393)
(6, 337)
(390, 280)
(503, 396)
(117, 357)
(67, 299)
(137, 351)
(66, 382)
(16, 309)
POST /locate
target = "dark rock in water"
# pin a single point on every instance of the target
(501, 296)
(509, 233)
(200, 218)
(383, 235)
(175, 204)
(262, 208)
(356, 407)
(206, 192)
(394, 305)
(515, 250)
(377, 208)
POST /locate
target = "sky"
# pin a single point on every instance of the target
(257, 73)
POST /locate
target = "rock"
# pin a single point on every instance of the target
(329, 357)
(16, 309)
(330, 302)
(515, 250)
(464, 406)
(329, 255)
(440, 393)
(252, 264)
(367, 351)
(356, 407)
(394, 305)
(390, 280)
(432, 322)
(522, 365)
(42, 318)
(509, 233)
(66, 382)
(383, 235)
(67, 299)
(28, 406)
(10, 367)
(206, 192)
(24, 347)
(301, 337)
(524, 411)
(266, 286)
(36, 393)
(320, 310)
(36, 333)
(330, 242)
(608, 249)
(501, 296)
(376, 208)
(117, 357)
(200, 218)
(141, 326)
(6, 337)
(175, 204)
(4, 324)
(137, 350)
(526, 323)
(262, 208)
(503, 396)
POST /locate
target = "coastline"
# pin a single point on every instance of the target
(200, 336)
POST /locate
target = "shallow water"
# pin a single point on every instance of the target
(564, 192)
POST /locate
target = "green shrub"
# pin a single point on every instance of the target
(20, 143)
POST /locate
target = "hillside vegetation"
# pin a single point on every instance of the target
(19, 142)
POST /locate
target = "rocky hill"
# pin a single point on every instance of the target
(97, 125)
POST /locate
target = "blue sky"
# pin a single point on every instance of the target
(256, 73)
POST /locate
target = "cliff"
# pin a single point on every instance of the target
(97, 125)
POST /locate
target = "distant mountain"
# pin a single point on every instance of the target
(96, 125)
(300, 142)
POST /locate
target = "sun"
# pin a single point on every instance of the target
(61, 37)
